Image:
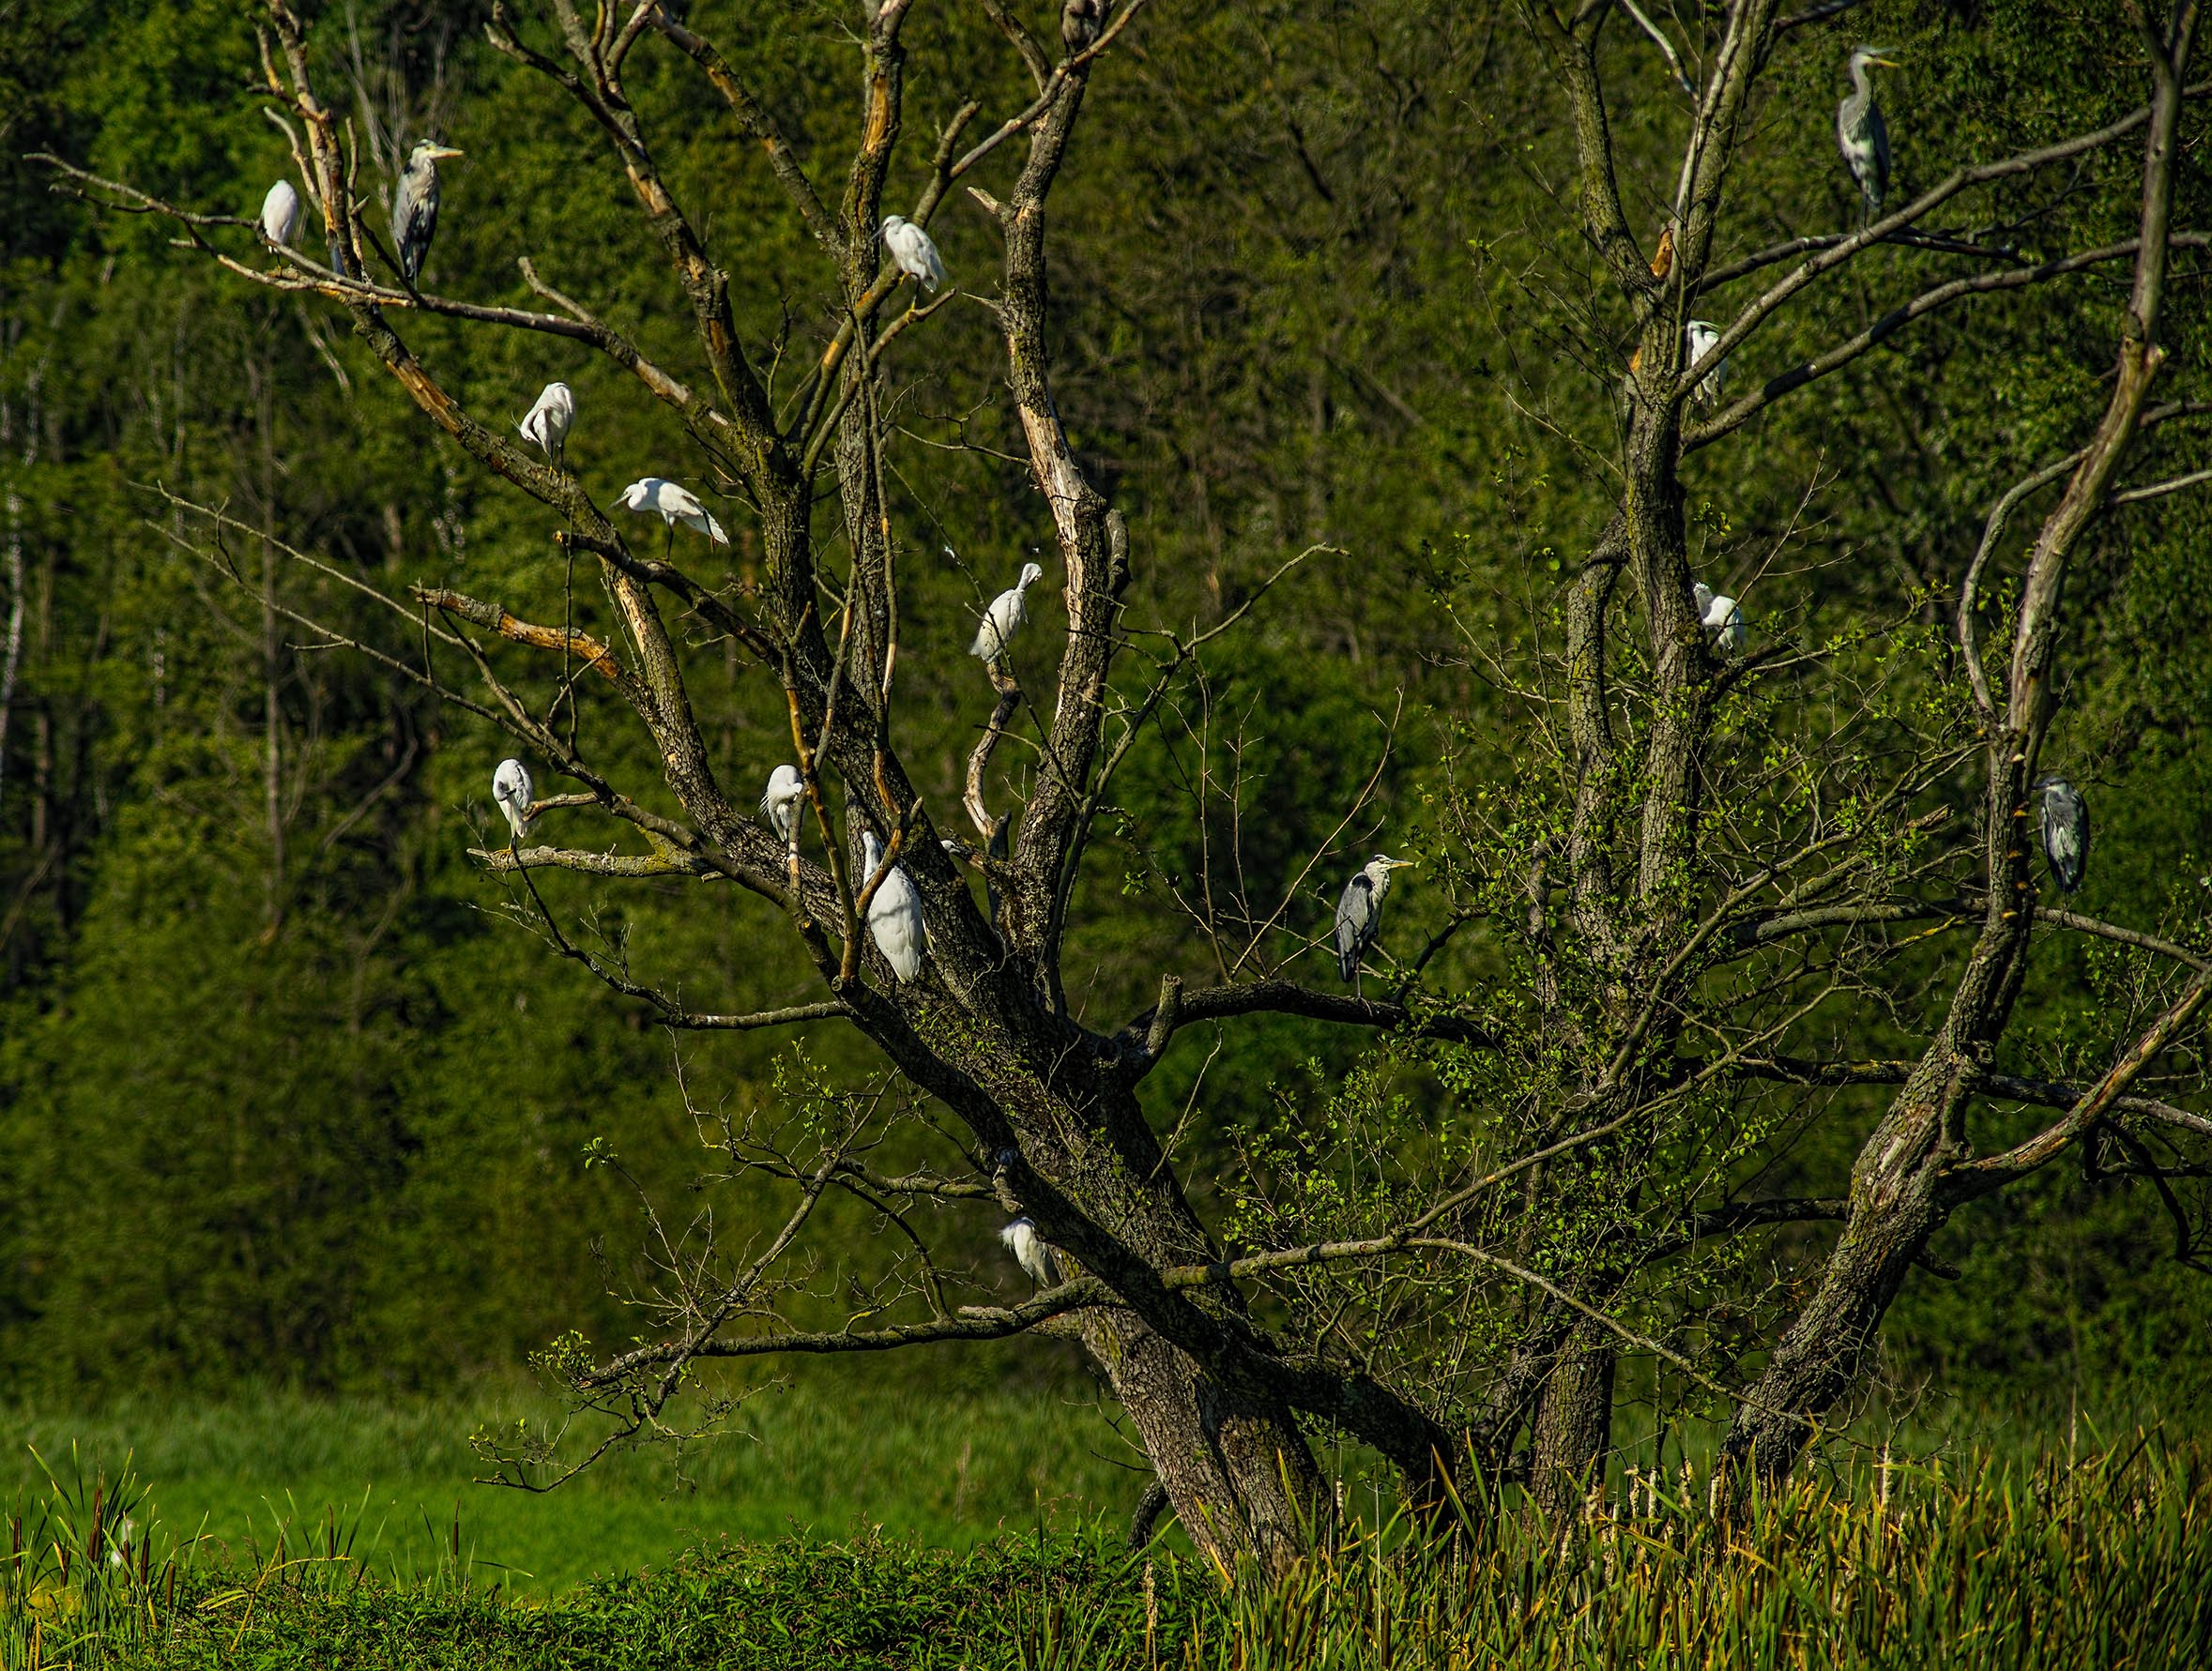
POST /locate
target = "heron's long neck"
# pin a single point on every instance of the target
(1862, 93)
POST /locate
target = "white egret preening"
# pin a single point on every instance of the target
(1004, 618)
(676, 504)
(546, 424)
(894, 915)
(413, 206)
(779, 807)
(2066, 831)
(511, 788)
(1861, 133)
(1359, 913)
(1698, 337)
(911, 251)
(1032, 1253)
(279, 214)
(1724, 622)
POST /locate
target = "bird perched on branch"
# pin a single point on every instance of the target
(779, 807)
(894, 915)
(1723, 621)
(2066, 831)
(911, 251)
(279, 214)
(676, 504)
(511, 788)
(547, 422)
(414, 206)
(1699, 336)
(1359, 913)
(1032, 1253)
(1079, 22)
(1861, 133)
(1006, 616)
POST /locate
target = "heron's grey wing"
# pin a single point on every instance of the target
(1355, 917)
(414, 213)
(1878, 142)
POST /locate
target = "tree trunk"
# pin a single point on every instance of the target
(1235, 1467)
(1573, 1425)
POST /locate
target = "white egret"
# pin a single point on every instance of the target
(1699, 336)
(547, 422)
(414, 206)
(1702, 595)
(1359, 913)
(1862, 134)
(1724, 622)
(511, 788)
(676, 504)
(894, 915)
(779, 807)
(913, 251)
(1032, 1253)
(1004, 618)
(279, 214)
(2066, 831)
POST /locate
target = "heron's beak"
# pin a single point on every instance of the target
(1887, 63)
(1403, 864)
(441, 153)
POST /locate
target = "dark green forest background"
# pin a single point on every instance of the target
(284, 1099)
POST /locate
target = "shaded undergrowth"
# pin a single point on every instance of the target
(2104, 1561)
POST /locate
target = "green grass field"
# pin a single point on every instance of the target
(944, 1469)
(895, 1529)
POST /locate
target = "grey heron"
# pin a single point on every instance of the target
(1359, 913)
(1861, 133)
(675, 503)
(279, 214)
(894, 915)
(547, 422)
(511, 788)
(1032, 1253)
(779, 807)
(2066, 831)
(413, 206)
(1006, 616)
(1724, 622)
(911, 251)
(1698, 337)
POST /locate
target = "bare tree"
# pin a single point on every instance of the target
(1691, 976)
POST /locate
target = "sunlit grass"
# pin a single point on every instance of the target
(946, 1470)
(2099, 1560)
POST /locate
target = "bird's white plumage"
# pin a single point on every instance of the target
(1032, 1253)
(894, 915)
(910, 249)
(546, 424)
(1698, 338)
(511, 788)
(779, 807)
(675, 503)
(280, 213)
(1725, 622)
(1004, 618)
(1702, 595)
